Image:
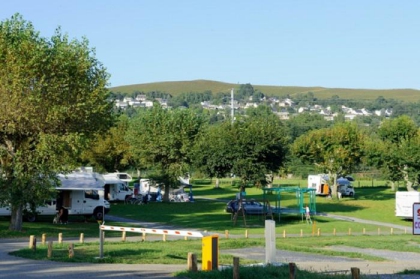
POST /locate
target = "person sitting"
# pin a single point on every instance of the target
(63, 215)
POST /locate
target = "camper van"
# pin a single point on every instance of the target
(81, 193)
(319, 182)
(116, 189)
(122, 176)
(404, 203)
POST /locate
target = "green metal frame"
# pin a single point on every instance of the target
(300, 193)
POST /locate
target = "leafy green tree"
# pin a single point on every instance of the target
(109, 151)
(305, 122)
(394, 151)
(53, 98)
(252, 147)
(162, 140)
(336, 150)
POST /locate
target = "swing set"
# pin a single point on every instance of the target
(301, 202)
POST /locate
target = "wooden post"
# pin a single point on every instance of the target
(284, 233)
(34, 244)
(143, 238)
(364, 231)
(301, 232)
(334, 232)
(164, 238)
(82, 238)
(246, 233)
(226, 233)
(123, 237)
(192, 262)
(319, 232)
(43, 238)
(349, 231)
(50, 249)
(392, 231)
(71, 250)
(292, 270)
(31, 241)
(355, 273)
(185, 237)
(60, 238)
(235, 268)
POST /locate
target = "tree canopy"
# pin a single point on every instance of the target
(162, 140)
(53, 98)
(336, 150)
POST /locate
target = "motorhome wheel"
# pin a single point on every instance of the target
(98, 213)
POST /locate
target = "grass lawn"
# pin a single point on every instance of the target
(206, 213)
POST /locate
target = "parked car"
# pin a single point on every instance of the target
(251, 207)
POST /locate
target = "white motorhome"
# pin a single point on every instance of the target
(116, 189)
(81, 193)
(404, 203)
(319, 182)
(121, 175)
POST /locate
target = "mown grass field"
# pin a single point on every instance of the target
(178, 87)
(206, 213)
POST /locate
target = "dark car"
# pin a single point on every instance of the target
(251, 207)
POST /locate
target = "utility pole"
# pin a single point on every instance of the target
(232, 109)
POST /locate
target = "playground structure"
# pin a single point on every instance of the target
(300, 199)
(269, 210)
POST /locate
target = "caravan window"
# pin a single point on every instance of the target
(92, 194)
(122, 176)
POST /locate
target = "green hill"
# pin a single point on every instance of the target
(178, 87)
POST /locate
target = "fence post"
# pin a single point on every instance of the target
(82, 238)
(71, 250)
(60, 238)
(292, 270)
(246, 233)
(226, 233)
(43, 238)
(143, 238)
(235, 268)
(123, 237)
(31, 241)
(192, 262)
(50, 249)
(355, 273)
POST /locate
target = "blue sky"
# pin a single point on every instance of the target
(336, 44)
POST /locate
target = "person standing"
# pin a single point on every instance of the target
(308, 215)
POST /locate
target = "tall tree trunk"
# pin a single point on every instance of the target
(393, 186)
(166, 195)
(16, 218)
(407, 180)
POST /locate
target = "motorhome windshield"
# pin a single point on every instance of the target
(92, 194)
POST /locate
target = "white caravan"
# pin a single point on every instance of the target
(116, 189)
(404, 203)
(319, 182)
(81, 193)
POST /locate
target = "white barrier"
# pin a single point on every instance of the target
(152, 231)
(103, 228)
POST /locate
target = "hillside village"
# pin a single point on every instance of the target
(284, 108)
